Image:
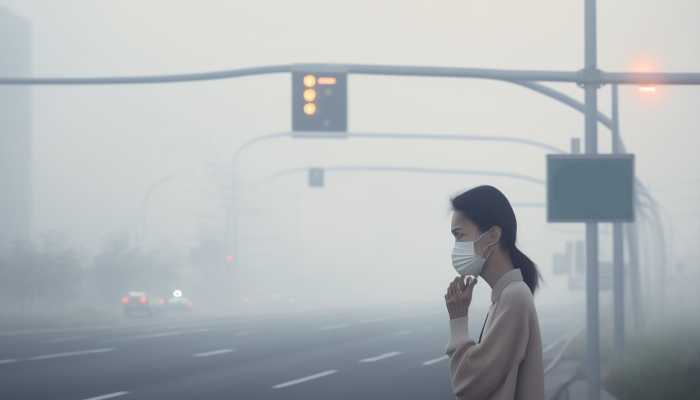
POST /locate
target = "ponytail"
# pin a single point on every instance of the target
(528, 269)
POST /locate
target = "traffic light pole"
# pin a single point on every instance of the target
(232, 220)
(618, 255)
(591, 147)
(146, 202)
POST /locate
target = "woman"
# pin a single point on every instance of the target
(506, 361)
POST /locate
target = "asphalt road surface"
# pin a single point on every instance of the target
(377, 354)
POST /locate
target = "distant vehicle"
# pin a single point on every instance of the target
(178, 303)
(137, 303)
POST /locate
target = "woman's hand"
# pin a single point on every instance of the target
(459, 296)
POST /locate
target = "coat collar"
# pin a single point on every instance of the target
(511, 276)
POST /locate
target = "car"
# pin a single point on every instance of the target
(178, 303)
(137, 303)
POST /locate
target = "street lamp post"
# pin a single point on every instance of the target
(232, 218)
(591, 147)
(618, 255)
(146, 202)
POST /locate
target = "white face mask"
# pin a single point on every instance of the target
(465, 260)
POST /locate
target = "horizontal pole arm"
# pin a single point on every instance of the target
(361, 69)
(412, 170)
(650, 78)
(150, 79)
(457, 72)
(512, 75)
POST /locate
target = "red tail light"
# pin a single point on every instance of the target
(125, 300)
(161, 301)
(143, 300)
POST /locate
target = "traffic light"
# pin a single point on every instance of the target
(319, 101)
(316, 176)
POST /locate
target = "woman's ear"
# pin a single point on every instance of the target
(495, 238)
(490, 241)
(495, 234)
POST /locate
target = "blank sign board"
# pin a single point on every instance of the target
(590, 188)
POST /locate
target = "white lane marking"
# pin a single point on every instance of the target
(70, 354)
(404, 332)
(54, 330)
(8, 361)
(333, 327)
(244, 333)
(380, 357)
(65, 339)
(125, 326)
(369, 321)
(156, 335)
(161, 334)
(108, 396)
(305, 379)
(214, 353)
(435, 361)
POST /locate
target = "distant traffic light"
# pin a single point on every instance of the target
(316, 177)
(229, 259)
(319, 101)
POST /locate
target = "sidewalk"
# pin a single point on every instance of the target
(564, 382)
(579, 391)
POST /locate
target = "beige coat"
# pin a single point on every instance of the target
(507, 364)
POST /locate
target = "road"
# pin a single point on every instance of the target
(364, 354)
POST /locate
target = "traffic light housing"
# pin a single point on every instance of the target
(316, 177)
(319, 101)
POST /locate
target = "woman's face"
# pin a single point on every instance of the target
(463, 229)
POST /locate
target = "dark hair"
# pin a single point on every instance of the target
(486, 206)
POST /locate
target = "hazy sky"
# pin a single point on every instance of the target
(98, 149)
